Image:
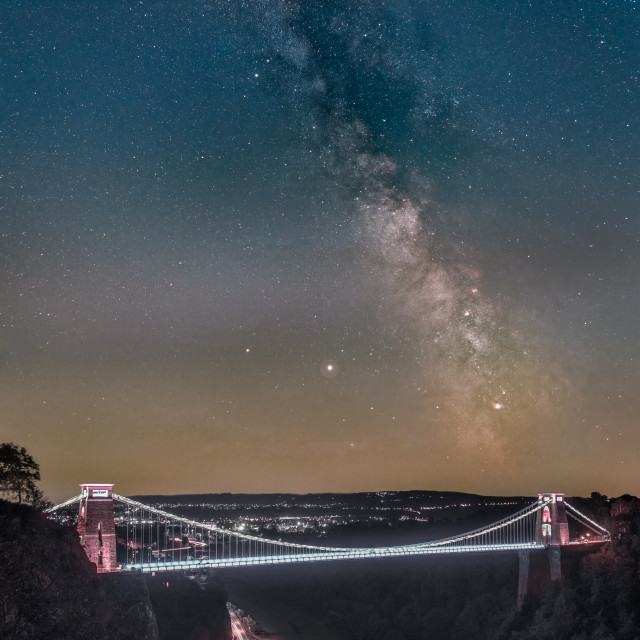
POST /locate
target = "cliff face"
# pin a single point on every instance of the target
(49, 589)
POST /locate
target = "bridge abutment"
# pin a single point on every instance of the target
(554, 556)
(96, 526)
(524, 563)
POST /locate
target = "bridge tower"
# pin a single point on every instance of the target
(96, 526)
(552, 527)
(552, 530)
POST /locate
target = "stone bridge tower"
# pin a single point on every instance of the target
(96, 526)
(551, 523)
(552, 530)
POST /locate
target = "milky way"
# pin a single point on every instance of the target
(473, 360)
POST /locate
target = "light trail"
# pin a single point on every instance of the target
(239, 632)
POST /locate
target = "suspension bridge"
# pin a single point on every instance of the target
(121, 534)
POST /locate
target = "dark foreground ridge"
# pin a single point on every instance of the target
(49, 589)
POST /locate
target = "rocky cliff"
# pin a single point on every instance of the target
(49, 589)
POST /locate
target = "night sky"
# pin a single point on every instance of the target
(279, 245)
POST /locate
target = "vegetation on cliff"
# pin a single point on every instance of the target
(601, 601)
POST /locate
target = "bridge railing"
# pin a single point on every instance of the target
(200, 543)
(514, 529)
(62, 505)
(159, 540)
(152, 533)
(600, 533)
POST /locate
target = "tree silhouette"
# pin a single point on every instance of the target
(18, 474)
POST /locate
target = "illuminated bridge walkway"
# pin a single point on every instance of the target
(152, 540)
